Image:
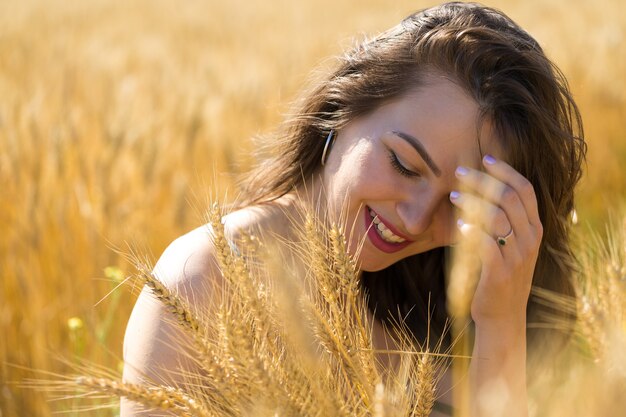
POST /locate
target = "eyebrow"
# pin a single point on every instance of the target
(417, 145)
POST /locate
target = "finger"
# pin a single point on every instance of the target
(523, 188)
(488, 250)
(500, 195)
(480, 211)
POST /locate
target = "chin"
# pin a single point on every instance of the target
(371, 264)
(373, 269)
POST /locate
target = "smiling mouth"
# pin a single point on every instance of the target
(383, 231)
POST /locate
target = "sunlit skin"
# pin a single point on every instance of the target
(373, 165)
(419, 199)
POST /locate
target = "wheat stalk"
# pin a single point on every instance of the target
(255, 341)
(203, 347)
(354, 306)
(425, 386)
(159, 397)
(337, 325)
(251, 365)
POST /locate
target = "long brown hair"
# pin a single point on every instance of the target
(516, 87)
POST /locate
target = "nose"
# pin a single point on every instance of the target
(427, 212)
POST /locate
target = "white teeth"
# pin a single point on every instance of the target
(383, 231)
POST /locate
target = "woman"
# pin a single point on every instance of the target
(454, 97)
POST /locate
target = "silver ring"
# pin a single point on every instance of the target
(502, 239)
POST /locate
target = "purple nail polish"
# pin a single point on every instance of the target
(461, 171)
(489, 160)
(454, 195)
(460, 223)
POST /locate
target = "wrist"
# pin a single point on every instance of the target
(506, 326)
(498, 369)
(500, 335)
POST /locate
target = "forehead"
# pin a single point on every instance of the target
(445, 119)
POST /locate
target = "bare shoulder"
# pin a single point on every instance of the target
(153, 343)
(188, 268)
(188, 264)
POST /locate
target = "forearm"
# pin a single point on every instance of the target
(498, 371)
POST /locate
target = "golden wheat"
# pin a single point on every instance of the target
(163, 398)
(266, 374)
(425, 395)
(262, 371)
(116, 114)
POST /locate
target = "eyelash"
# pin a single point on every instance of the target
(400, 168)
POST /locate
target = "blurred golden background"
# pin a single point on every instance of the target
(119, 118)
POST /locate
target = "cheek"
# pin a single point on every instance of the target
(444, 224)
(360, 176)
(353, 176)
(377, 177)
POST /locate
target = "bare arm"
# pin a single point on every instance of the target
(509, 204)
(498, 372)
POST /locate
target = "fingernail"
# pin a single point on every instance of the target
(461, 171)
(460, 223)
(454, 195)
(489, 160)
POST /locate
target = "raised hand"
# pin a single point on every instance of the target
(508, 232)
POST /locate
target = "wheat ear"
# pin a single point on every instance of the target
(355, 307)
(425, 386)
(160, 397)
(309, 392)
(185, 319)
(207, 356)
(327, 313)
(250, 330)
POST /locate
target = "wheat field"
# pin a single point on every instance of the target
(118, 119)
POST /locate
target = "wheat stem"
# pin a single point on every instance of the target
(160, 397)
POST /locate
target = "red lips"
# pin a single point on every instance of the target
(377, 240)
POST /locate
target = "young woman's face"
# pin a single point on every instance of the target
(392, 171)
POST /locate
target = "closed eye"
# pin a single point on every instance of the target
(397, 165)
